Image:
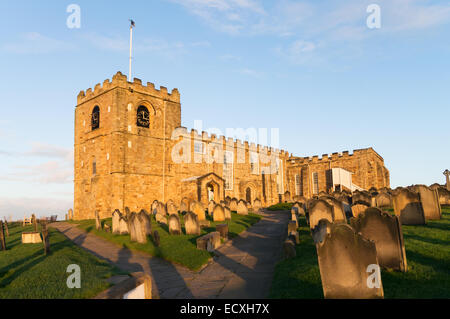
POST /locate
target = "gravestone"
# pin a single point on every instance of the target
(145, 220)
(227, 213)
(321, 230)
(198, 209)
(140, 228)
(98, 224)
(154, 207)
(234, 204)
(444, 196)
(2, 237)
(359, 207)
(338, 209)
(191, 225)
(209, 242)
(345, 263)
(289, 249)
(295, 237)
(299, 208)
(242, 208)
(294, 218)
(127, 212)
(218, 213)
(70, 213)
(292, 226)
(257, 205)
(211, 206)
(174, 225)
(107, 228)
(31, 238)
(430, 202)
(184, 205)
(132, 226)
(45, 238)
(171, 208)
(320, 209)
(408, 207)
(386, 231)
(447, 179)
(361, 196)
(223, 230)
(161, 219)
(383, 200)
(116, 215)
(156, 238)
(123, 225)
(34, 221)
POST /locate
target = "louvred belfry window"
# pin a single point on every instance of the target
(143, 117)
(95, 118)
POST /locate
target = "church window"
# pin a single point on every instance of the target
(95, 118)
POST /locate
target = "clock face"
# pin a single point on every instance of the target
(143, 118)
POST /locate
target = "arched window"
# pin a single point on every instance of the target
(143, 117)
(95, 118)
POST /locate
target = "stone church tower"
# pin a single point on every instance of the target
(122, 145)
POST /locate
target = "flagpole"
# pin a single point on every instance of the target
(131, 49)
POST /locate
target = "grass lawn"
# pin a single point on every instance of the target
(428, 258)
(26, 273)
(281, 206)
(180, 249)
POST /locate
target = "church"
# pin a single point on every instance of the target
(131, 149)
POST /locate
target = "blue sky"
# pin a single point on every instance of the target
(313, 69)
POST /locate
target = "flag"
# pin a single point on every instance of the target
(132, 23)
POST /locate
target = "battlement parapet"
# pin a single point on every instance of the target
(333, 156)
(120, 80)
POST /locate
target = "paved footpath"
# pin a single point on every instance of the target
(242, 267)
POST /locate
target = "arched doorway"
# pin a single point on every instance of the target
(210, 191)
(248, 195)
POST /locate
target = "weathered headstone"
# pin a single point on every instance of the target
(116, 215)
(294, 218)
(321, 230)
(287, 196)
(191, 225)
(359, 207)
(408, 207)
(33, 218)
(70, 213)
(218, 213)
(209, 242)
(233, 204)
(184, 205)
(154, 207)
(430, 202)
(223, 230)
(242, 208)
(386, 231)
(383, 200)
(361, 196)
(299, 208)
(123, 225)
(140, 228)
(444, 196)
(227, 213)
(292, 226)
(320, 209)
(346, 263)
(107, 228)
(294, 236)
(198, 209)
(257, 205)
(171, 208)
(338, 209)
(98, 224)
(146, 222)
(174, 225)
(289, 249)
(132, 226)
(2, 237)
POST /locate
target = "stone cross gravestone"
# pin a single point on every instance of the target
(348, 265)
(408, 207)
(447, 179)
(386, 231)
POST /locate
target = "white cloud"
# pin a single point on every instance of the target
(36, 43)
